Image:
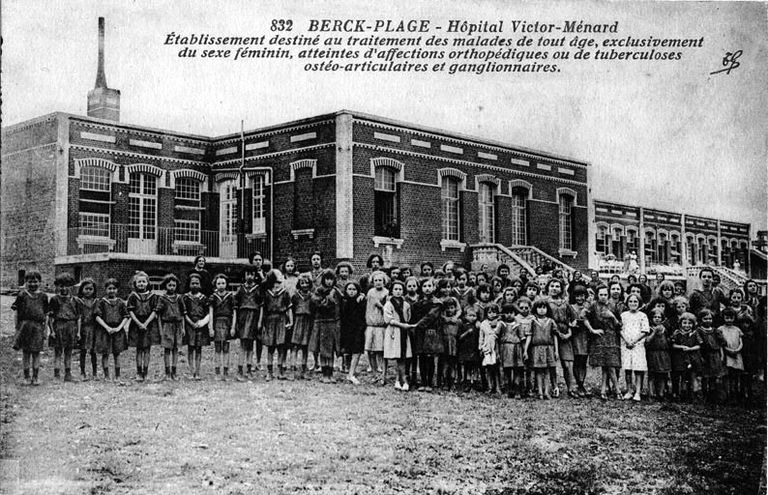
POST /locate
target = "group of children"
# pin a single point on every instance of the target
(445, 328)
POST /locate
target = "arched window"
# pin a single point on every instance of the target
(519, 216)
(385, 203)
(565, 203)
(487, 212)
(450, 199)
(631, 241)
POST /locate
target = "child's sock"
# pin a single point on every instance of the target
(56, 373)
(35, 372)
(249, 369)
(117, 372)
(82, 367)
(94, 365)
(226, 371)
(239, 370)
(173, 370)
(217, 370)
(167, 371)
(26, 373)
(139, 369)
(106, 372)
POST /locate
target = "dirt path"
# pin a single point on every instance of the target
(281, 437)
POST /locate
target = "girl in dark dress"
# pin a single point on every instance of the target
(604, 350)
(143, 330)
(326, 323)
(87, 300)
(198, 334)
(352, 327)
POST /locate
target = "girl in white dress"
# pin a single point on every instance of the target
(634, 330)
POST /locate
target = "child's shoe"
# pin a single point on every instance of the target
(353, 380)
(240, 377)
(398, 386)
(556, 392)
(68, 377)
(405, 387)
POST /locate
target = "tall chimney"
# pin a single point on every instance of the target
(101, 78)
(103, 102)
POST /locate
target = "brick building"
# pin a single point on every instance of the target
(105, 197)
(97, 197)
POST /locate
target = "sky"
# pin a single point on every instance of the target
(665, 134)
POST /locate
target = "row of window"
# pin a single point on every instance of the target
(142, 207)
(386, 215)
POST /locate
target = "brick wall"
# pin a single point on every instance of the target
(28, 201)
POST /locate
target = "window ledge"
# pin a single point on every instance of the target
(446, 244)
(303, 232)
(387, 241)
(256, 235)
(188, 207)
(178, 245)
(567, 253)
(82, 240)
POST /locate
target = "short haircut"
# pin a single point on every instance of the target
(706, 269)
(304, 279)
(542, 303)
(83, 283)
(33, 275)
(493, 307)
(168, 279)
(344, 264)
(139, 273)
(253, 256)
(219, 276)
(689, 317)
(114, 282)
(728, 313)
(705, 312)
(524, 300)
(64, 280)
(372, 257)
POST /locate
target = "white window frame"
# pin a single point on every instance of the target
(89, 173)
(565, 203)
(228, 192)
(451, 208)
(487, 212)
(186, 231)
(259, 204)
(519, 221)
(146, 230)
(188, 188)
(87, 220)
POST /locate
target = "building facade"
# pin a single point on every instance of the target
(102, 198)
(667, 242)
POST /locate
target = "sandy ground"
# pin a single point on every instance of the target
(304, 436)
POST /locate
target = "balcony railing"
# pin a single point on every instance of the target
(166, 241)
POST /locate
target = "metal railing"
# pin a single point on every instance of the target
(168, 241)
(494, 255)
(536, 257)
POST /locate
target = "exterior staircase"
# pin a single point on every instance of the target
(729, 279)
(516, 257)
(536, 257)
(494, 255)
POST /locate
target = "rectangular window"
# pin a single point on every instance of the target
(566, 228)
(142, 206)
(94, 224)
(259, 204)
(186, 231)
(450, 197)
(95, 179)
(188, 188)
(385, 204)
(600, 244)
(486, 213)
(519, 200)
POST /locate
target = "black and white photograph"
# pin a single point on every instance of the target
(439, 247)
